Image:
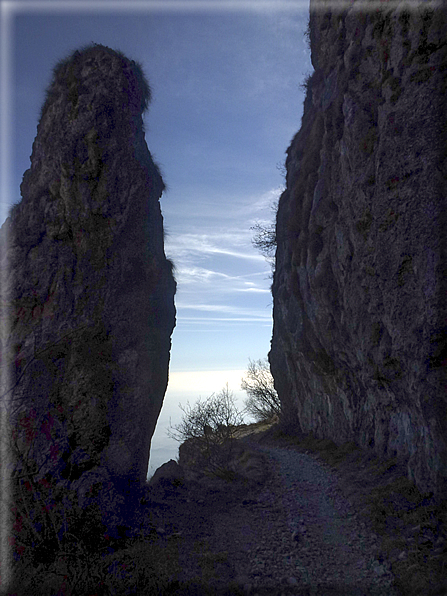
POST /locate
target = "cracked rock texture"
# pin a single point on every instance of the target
(88, 291)
(359, 346)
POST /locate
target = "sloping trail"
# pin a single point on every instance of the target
(293, 534)
(298, 535)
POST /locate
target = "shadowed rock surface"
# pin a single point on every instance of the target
(90, 293)
(360, 329)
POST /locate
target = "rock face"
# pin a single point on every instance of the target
(359, 346)
(89, 292)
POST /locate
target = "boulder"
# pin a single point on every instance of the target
(359, 342)
(168, 476)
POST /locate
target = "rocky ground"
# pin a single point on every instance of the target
(310, 518)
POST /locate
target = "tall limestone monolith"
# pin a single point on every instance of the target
(87, 290)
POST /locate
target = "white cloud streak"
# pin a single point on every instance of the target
(199, 246)
(221, 277)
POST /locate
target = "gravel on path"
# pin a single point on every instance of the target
(310, 517)
(293, 534)
(312, 542)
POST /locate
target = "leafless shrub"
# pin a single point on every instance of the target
(264, 239)
(211, 424)
(263, 402)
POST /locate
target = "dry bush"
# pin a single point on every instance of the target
(209, 429)
(263, 402)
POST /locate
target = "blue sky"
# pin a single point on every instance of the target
(227, 101)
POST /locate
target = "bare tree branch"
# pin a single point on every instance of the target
(211, 424)
(263, 402)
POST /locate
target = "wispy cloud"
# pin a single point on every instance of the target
(218, 228)
(214, 286)
(221, 278)
(207, 320)
(240, 283)
(220, 208)
(202, 313)
(223, 308)
(199, 246)
(262, 205)
(254, 290)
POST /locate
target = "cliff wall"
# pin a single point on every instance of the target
(359, 346)
(87, 289)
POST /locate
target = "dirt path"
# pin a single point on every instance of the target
(298, 535)
(307, 529)
(311, 540)
(302, 517)
(292, 535)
